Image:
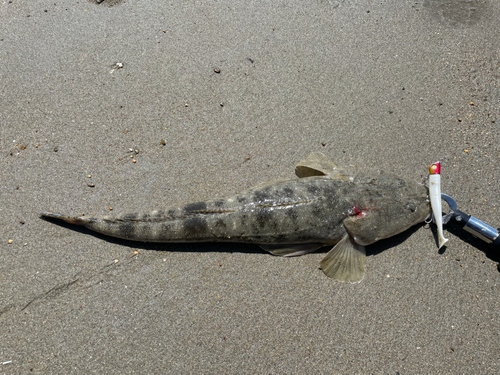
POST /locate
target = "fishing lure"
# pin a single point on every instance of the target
(435, 197)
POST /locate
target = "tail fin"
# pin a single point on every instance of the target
(67, 219)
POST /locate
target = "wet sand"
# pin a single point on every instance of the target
(133, 106)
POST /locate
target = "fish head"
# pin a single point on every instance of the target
(386, 206)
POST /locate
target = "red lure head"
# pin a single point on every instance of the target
(435, 168)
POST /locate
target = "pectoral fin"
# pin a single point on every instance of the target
(316, 164)
(345, 262)
(291, 250)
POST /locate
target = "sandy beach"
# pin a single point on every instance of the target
(133, 106)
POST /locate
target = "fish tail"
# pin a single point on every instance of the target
(196, 222)
(68, 219)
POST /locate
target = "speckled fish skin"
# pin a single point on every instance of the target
(307, 210)
(295, 211)
(325, 206)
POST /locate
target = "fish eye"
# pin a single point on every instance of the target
(411, 207)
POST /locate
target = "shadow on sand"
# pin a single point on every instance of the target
(490, 251)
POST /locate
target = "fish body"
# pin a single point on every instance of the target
(326, 205)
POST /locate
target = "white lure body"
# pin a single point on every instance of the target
(435, 197)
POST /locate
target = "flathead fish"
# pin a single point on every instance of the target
(327, 205)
